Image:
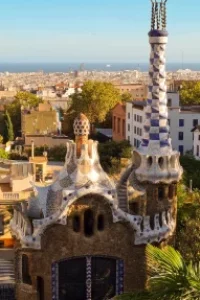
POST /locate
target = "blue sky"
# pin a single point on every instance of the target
(93, 31)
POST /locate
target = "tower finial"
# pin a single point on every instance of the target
(159, 15)
(81, 131)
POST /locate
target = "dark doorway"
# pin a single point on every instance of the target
(25, 270)
(72, 279)
(40, 288)
(103, 278)
(85, 278)
(1, 225)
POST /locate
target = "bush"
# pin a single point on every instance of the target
(188, 224)
(14, 155)
(57, 153)
(4, 154)
(111, 153)
(191, 168)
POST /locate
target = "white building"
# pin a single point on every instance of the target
(134, 122)
(70, 91)
(196, 142)
(47, 93)
(181, 121)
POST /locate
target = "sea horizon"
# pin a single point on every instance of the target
(63, 67)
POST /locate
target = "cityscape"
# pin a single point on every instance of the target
(100, 159)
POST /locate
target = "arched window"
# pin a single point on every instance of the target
(175, 190)
(88, 223)
(160, 219)
(100, 223)
(1, 225)
(152, 223)
(25, 270)
(76, 223)
(134, 208)
(40, 288)
(160, 193)
(171, 191)
(173, 161)
(142, 225)
(161, 162)
(150, 161)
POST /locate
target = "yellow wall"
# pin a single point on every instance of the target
(40, 122)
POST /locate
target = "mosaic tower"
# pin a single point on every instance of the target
(156, 129)
(158, 160)
(83, 238)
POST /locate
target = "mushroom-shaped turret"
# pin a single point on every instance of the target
(81, 132)
(81, 125)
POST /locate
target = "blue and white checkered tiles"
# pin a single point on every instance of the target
(156, 129)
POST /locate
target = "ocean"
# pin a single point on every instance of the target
(66, 67)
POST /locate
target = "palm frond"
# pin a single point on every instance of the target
(134, 296)
(168, 273)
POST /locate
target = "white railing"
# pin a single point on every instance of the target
(21, 224)
(10, 196)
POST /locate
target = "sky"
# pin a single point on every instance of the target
(93, 30)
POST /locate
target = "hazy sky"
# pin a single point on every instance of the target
(93, 30)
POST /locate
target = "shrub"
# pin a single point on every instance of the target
(111, 153)
(4, 154)
(191, 168)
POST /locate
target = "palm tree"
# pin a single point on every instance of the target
(168, 273)
(170, 278)
(136, 296)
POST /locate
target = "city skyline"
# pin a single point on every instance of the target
(62, 31)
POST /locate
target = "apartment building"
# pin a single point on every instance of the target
(196, 142)
(181, 121)
(118, 122)
(134, 122)
(138, 91)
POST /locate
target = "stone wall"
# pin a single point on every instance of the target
(161, 197)
(62, 242)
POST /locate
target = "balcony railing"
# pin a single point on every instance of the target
(20, 224)
(12, 196)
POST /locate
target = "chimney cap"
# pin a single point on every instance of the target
(81, 125)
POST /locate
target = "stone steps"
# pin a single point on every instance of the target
(122, 190)
(7, 280)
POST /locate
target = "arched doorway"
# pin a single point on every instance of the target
(86, 278)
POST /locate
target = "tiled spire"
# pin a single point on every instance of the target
(156, 129)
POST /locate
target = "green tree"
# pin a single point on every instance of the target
(190, 93)
(9, 134)
(96, 100)
(3, 154)
(14, 110)
(188, 224)
(22, 99)
(170, 277)
(126, 97)
(1, 139)
(28, 100)
(191, 168)
(111, 153)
